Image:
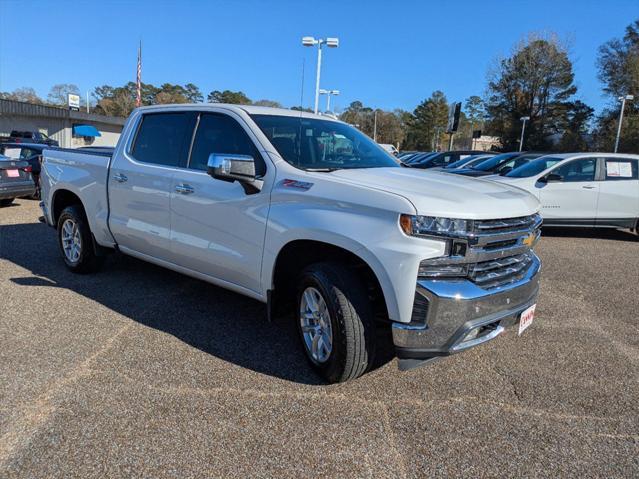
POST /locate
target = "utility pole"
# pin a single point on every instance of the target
(375, 127)
(623, 105)
(524, 119)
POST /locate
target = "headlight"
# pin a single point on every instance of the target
(434, 225)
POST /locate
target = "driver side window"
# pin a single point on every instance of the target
(219, 133)
(577, 170)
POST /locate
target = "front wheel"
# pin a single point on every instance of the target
(335, 322)
(75, 241)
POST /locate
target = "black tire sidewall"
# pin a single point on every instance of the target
(318, 277)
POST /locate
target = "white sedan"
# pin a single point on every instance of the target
(583, 189)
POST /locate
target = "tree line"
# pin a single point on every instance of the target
(536, 80)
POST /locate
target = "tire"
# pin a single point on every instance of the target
(76, 242)
(6, 201)
(352, 330)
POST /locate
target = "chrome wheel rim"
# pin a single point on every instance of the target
(315, 321)
(71, 240)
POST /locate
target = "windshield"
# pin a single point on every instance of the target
(534, 167)
(494, 162)
(324, 145)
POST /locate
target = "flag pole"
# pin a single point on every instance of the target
(138, 100)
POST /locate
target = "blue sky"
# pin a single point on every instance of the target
(393, 54)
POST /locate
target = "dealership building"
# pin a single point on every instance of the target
(70, 128)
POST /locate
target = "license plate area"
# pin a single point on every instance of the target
(526, 318)
(13, 173)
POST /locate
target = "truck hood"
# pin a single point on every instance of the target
(436, 193)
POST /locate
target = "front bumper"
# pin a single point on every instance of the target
(17, 189)
(458, 315)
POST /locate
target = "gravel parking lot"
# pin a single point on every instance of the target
(141, 372)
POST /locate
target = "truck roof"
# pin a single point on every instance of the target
(250, 109)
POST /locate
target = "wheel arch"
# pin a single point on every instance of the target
(296, 254)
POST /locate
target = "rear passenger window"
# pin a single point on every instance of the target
(578, 170)
(621, 169)
(221, 134)
(164, 138)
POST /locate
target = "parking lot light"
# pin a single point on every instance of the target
(622, 99)
(330, 42)
(328, 94)
(524, 119)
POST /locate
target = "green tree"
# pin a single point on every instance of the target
(427, 125)
(271, 103)
(228, 96)
(576, 133)
(618, 64)
(537, 81)
(193, 93)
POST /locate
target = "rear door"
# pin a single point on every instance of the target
(619, 192)
(140, 182)
(573, 200)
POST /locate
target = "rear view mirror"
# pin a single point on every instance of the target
(551, 178)
(227, 167)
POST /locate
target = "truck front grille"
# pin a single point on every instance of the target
(495, 252)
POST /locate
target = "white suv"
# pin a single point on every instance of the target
(583, 189)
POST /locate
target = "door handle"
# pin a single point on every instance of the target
(184, 189)
(120, 178)
(589, 187)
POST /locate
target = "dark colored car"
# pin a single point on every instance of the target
(468, 162)
(15, 180)
(500, 164)
(29, 137)
(443, 158)
(29, 152)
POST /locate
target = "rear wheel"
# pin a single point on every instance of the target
(335, 322)
(6, 201)
(75, 241)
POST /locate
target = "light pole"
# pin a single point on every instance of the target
(328, 94)
(311, 42)
(524, 119)
(375, 126)
(623, 105)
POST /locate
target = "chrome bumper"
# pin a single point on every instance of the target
(458, 315)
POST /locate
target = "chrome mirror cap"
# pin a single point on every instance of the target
(228, 167)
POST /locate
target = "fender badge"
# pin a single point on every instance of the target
(300, 185)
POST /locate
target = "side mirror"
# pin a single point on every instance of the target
(551, 178)
(227, 167)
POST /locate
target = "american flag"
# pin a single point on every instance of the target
(138, 100)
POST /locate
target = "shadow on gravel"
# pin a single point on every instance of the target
(595, 233)
(216, 321)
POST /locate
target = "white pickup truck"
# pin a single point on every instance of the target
(310, 216)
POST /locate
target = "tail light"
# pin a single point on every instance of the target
(28, 169)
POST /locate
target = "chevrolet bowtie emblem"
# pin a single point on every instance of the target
(529, 240)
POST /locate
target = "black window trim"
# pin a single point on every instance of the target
(242, 124)
(571, 160)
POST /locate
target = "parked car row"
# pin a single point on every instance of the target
(575, 189)
(28, 137)
(15, 180)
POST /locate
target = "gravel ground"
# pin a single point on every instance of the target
(140, 372)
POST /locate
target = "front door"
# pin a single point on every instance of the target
(217, 228)
(573, 199)
(140, 183)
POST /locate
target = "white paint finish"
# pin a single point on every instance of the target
(140, 207)
(583, 199)
(218, 229)
(224, 236)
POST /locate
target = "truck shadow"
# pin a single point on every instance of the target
(216, 321)
(594, 233)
